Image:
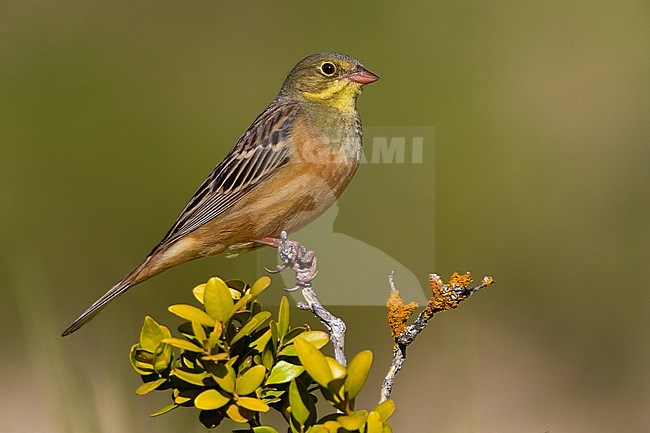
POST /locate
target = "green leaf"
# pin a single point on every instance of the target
(251, 326)
(295, 332)
(146, 388)
(183, 344)
(299, 410)
(334, 393)
(314, 361)
(338, 371)
(267, 358)
(264, 429)
(165, 331)
(225, 376)
(215, 335)
(234, 293)
(352, 422)
(253, 404)
(211, 399)
(239, 414)
(180, 399)
(260, 285)
(151, 335)
(270, 395)
(238, 285)
(284, 372)
(318, 429)
(141, 367)
(275, 337)
(250, 380)
(199, 332)
(216, 357)
(317, 338)
(162, 358)
(189, 363)
(165, 409)
(375, 424)
(193, 378)
(217, 299)
(358, 370)
(192, 314)
(198, 292)
(240, 304)
(332, 426)
(284, 317)
(261, 342)
(385, 409)
(245, 365)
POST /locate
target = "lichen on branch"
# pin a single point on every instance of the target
(444, 296)
(398, 312)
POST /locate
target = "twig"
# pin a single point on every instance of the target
(304, 264)
(399, 353)
(335, 325)
(445, 297)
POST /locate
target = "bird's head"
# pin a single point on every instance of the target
(330, 78)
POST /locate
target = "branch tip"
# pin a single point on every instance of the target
(445, 296)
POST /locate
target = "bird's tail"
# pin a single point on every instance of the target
(128, 281)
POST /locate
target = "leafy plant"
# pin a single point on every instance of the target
(233, 362)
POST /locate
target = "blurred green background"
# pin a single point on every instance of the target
(112, 113)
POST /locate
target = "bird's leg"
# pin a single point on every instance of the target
(296, 257)
(275, 243)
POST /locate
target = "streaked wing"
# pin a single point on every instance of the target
(259, 152)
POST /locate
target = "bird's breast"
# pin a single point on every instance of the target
(321, 163)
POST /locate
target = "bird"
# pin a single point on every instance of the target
(285, 170)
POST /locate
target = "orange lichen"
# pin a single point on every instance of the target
(444, 296)
(398, 313)
(435, 282)
(463, 281)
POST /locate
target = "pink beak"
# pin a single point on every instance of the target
(362, 76)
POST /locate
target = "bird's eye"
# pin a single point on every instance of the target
(328, 68)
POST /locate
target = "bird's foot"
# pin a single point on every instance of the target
(295, 257)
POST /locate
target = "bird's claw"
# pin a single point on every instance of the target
(297, 258)
(277, 270)
(306, 274)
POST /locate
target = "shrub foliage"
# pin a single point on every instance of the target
(232, 362)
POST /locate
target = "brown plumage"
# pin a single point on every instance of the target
(290, 166)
